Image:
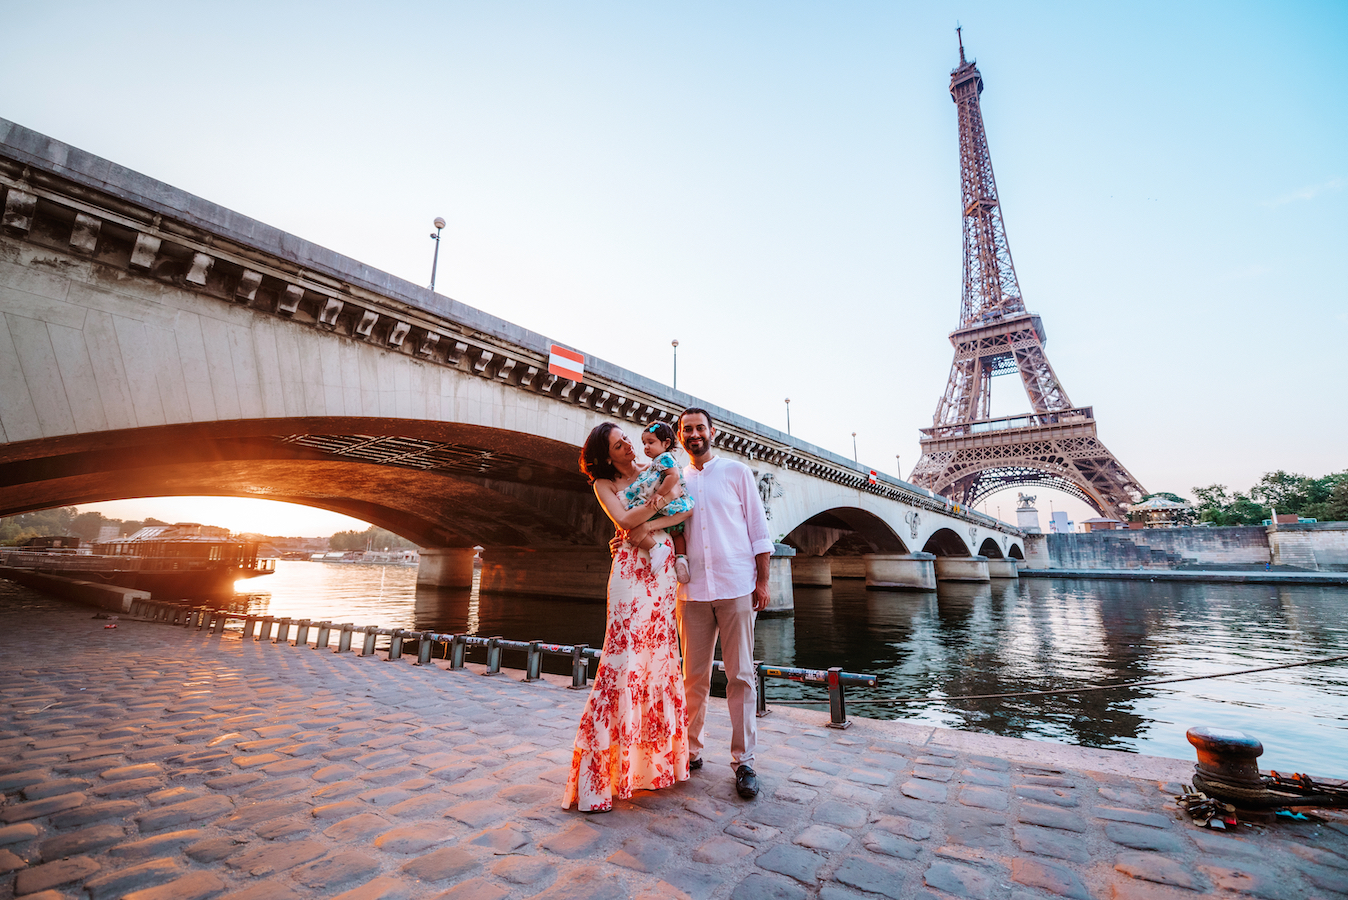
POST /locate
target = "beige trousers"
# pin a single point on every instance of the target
(699, 624)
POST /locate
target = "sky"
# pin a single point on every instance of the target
(775, 185)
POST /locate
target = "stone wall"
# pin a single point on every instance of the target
(1314, 546)
(1311, 545)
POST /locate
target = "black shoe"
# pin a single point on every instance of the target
(746, 782)
(694, 764)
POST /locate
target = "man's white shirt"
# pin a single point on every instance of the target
(727, 530)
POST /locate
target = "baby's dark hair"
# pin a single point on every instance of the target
(663, 433)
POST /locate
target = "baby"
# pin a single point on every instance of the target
(661, 485)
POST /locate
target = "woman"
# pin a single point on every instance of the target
(633, 734)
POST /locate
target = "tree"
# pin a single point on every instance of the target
(1218, 507)
(1285, 492)
(1330, 499)
(371, 538)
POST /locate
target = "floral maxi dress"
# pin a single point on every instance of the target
(633, 734)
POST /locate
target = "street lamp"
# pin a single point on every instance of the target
(439, 223)
(898, 466)
(854, 448)
(675, 345)
(788, 415)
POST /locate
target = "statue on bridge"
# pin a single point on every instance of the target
(1026, 501)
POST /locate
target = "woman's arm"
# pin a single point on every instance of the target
(635, 535)
(624, 518)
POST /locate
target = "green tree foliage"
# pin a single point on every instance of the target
(63, 520)
(1324, 498)
(371, 538)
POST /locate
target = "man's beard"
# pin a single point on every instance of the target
(696, 446)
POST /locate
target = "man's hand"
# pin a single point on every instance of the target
(761, 597)
(618, 540)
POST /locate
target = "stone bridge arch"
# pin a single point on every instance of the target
(990, 549)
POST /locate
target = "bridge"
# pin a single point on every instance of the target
(155, 344)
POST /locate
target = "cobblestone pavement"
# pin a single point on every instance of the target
(154, 763)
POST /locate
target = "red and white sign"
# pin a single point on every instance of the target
(566, 363)
(874, 478)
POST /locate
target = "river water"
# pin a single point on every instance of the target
(1034, 634)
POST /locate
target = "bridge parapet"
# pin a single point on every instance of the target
(62, 198)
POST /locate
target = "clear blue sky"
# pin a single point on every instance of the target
(776, 186)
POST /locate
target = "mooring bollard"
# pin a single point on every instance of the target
(395, 645)
(837, 702)
(219, 627)
(456, 649)
(580, 666)
(533, 663)
(367, 646)
(177, 615)
(494, 655)
(324, 629)
(249, 626)
(264, 634)
(301, 632)
(762, 701)
(424, 647)
(344, 637)
(282, 631)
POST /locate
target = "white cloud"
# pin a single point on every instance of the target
(1309, 193)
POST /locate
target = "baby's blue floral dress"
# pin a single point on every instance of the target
(639, 491)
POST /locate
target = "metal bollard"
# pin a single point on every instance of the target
(324, 629)
(177, 615)
(282, 631)
(395, 645)
(264, 634)
(493, 656)
(837, 702)
(424, 648)
(249, 627)
(456, 648)
(344, 637)
(219, 627)
(533, 663)
(301, 632)
(367, 646)
(761, 704)
(580, 666)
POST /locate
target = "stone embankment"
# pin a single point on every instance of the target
(156, 763)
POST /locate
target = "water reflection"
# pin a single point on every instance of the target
(1004, 637)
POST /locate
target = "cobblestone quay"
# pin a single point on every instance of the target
(154, 763)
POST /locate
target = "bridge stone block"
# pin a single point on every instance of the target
(781, 599)
(84, 236)
(1003, 568)
(145, 251)
(962, 568)
(367, 323)
(398, 334)
(290, 300)
(249, 282)
(201, 267)
(332, 308)
(575, 572)
(446, 567)
(19, 209)
(900, 571)
(847, 566)
(812, 571)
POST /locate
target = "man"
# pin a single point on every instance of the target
(728, 549)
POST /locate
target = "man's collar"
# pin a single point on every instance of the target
(703, 467)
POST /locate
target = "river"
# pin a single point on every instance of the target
(1035, 634)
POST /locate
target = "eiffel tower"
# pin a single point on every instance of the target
(966, 455)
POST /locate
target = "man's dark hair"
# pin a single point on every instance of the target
(696, 411)
(594, 461)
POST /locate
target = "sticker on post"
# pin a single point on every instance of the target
(566, 363)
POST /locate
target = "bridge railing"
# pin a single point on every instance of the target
(454, 648)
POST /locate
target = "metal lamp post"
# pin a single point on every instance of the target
(898, 466)
(854, 448)
(439, 223)
(788, 415)
(675, 345)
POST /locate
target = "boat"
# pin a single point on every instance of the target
(369, 557)
(186, 560)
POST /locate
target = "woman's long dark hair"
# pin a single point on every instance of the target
(594, 461)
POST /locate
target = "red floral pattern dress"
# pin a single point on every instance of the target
(633, 734)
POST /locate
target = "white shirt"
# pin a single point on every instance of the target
(727, 530)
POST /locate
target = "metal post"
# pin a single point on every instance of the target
(424, 648)
(264, 634)
(219, 627)
(301, 632)
(762, 704)
(344, 638)
(177, 615)
(456, 648)
(580, 666)
(837, 703)
(249, 627)
(367, 647)
(324, 629)
(533, 664)
(494, 655)
(675, 345)
(282, 631)
(395, 645)
(439, 223)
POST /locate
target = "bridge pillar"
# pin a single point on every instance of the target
(847, 566)
(446, 567)
(579, 572)
(962, 568)
(812, 571)
(1003, 568)
(900, 571)
(781, 599)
